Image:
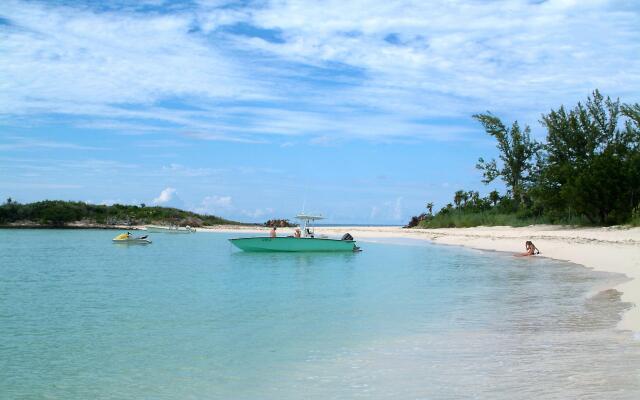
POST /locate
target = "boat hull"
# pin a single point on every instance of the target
(291, 244)
(166, 229)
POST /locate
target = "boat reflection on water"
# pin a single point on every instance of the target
(301, 259)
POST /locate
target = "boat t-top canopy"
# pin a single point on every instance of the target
(307, 220)
(308, 217)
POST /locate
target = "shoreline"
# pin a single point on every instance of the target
(89, 225)
(84, 226)
(609, 249)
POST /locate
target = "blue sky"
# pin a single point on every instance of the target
(360, 110)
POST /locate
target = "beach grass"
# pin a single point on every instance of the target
(462, 219)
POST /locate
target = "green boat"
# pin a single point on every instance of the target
(292, 244)
(307, 242)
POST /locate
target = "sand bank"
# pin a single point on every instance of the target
(613, 249)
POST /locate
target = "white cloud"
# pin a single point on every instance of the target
(258, 212)
(175, 169)
(364, 69)
(110, 202)
(165, 196)
(160, 143)
(37, 185)
(217, 201)
(18, 143)
(109, 57)
(322, 141)
(389, 211)
(215, 205)
(456, 58)
(375, 212)
(397, 210)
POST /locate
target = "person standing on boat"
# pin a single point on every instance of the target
(297, 233)
(273, 232)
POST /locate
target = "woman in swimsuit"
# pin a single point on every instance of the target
(532, 250)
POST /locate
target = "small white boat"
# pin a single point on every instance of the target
(169, 229)
(126, 238)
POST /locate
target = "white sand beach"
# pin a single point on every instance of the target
(612, 249)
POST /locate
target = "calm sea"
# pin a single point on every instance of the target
(188, 317)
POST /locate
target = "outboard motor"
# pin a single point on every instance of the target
(347, 236)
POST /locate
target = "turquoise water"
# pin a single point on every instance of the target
(188, 317)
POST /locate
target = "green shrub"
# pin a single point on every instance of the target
(58, 213)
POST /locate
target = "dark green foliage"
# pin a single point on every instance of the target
(459, 197)
(417, 220)
(517, 151)
(461, 219)
(494, 198)
(587, 172)
(482, 211)
(430, 208)
(278, 223)
(59, 213)
(590, 166)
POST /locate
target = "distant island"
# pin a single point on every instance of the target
(76, 214)
(586, 172)
(279, 223)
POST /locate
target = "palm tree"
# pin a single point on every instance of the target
(474, 197)
(457, 198)
(430, 208)
(494, 197)
(465, 198)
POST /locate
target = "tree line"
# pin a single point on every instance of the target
(59, 213)
(587, 171)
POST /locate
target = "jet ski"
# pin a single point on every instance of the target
(127, 238)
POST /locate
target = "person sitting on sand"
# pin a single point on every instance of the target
(532, 250)
(273, 232)
(297, 233)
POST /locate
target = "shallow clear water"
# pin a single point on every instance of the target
(188, 317)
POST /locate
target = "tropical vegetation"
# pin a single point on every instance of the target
(586, 172)
(58, 213)
(278, 223)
